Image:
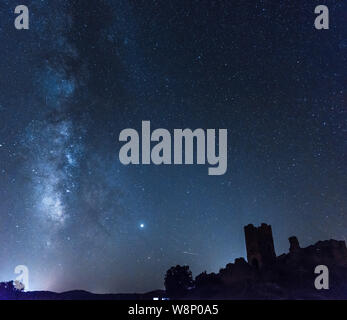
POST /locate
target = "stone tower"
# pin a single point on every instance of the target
(259, 245)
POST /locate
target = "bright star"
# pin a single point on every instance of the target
(142, 225)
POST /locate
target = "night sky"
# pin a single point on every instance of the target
(79, 219)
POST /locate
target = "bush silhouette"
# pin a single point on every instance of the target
(178, 281)
(9, 290)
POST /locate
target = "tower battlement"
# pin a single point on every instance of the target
(259, 245)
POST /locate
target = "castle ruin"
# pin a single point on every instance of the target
(259, 245)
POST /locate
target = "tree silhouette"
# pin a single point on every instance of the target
(10, 290)
(178, 280)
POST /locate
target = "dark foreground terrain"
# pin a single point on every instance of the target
(264, 275)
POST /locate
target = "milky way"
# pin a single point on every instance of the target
(79, 219)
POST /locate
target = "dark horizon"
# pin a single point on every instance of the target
(264, 276)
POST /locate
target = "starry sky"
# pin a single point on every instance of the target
(79, 219)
